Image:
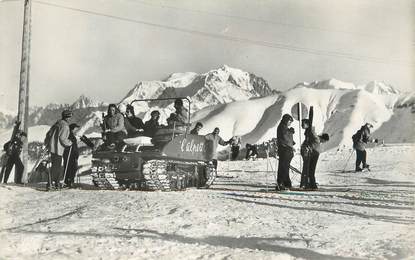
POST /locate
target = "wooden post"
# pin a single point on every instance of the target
(299, 130)
(23, 108)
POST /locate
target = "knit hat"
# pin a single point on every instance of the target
(66, 113)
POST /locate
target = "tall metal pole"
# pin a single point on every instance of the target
(23, 109)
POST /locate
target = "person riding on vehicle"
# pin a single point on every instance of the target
(151, 126)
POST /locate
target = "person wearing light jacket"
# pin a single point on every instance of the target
(216, 140)
(59, 141)
(114, 125)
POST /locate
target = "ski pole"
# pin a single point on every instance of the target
(266, 175)
(50, 178)
(347, 162)
(67, 163)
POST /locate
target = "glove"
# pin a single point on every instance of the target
(291, 130)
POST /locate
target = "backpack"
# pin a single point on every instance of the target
(49, 134)
(357, 136)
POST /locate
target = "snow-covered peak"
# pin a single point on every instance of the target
(406, 100)
(180, 80)
(144, 90)
(85, 102)
(379, 87)
(53, 106)
(226, 74)
(218, 86)
(327, 84)
(374, 87)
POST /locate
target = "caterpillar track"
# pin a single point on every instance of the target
(160, 175)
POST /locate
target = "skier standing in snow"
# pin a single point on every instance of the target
(13, 149)
(216, 140)
(360, 139)
(59, 140)
(310, 151)
(285, 144)
(196, 129)
(70, 157)
(134, 125)
(114, 126)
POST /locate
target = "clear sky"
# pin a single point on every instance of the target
(76, 51)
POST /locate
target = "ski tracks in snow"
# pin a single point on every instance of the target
(366, 215)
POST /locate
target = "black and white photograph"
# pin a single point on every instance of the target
(207, 129)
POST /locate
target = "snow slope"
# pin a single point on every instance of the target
(353, 216)
(340, 109)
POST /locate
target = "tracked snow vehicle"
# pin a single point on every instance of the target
(170, 160)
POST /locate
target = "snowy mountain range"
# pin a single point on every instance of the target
(241, 103)
(340, 109)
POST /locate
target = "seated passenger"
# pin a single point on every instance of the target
(114, 126)
(171, 119)
(151, 126)
(180, 117)
(134, 125)
(198, 127)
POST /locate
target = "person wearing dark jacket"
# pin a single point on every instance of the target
(251, 151)
(310, 151)
(235, 143)
(3, 164)
(198, 127)
(134, 125)
(14, 148)
(360, 139)
(285, 144)
(70, 157)
(151, 126)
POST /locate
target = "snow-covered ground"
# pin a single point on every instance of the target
(354, 215)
